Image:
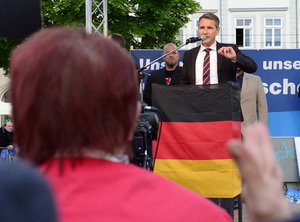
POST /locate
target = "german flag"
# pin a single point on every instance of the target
(197, 122)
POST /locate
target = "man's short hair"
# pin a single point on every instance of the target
(211, 16)
(118, 38)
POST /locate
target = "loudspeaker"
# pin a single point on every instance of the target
(19, 18)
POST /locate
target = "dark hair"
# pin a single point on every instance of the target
(71, 90)
(118, 38)
(211, 16)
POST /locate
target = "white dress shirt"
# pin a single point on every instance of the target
(213, 65)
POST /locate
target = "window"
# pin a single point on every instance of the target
(5, 97)
(181, 36)
(196, 22)
(244, 32)
(273, 32)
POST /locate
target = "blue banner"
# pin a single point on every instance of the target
(280, 74)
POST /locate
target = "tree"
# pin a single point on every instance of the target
(6, 45)
(154, 22)
(143, 23)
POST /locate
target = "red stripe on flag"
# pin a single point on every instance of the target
(196, 140)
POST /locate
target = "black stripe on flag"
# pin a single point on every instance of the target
(187, 103)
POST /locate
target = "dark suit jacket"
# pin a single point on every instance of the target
(226, 68)
(158, 77)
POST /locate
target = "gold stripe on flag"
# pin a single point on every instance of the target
(210, 178)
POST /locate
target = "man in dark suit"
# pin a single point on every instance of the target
(213, 63)
(171, 74)
(224, 58)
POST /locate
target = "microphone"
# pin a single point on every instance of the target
(195, 39)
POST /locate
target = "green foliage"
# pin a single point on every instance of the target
(6, 45)
(63, 12)
(143, 23)
(149, 23)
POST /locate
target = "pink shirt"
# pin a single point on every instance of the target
(100, 190)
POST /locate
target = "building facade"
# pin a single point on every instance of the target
(4, 85)
(251, 24)
(5, 107)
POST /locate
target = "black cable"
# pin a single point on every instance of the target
(157, 145)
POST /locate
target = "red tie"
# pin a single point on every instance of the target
(206, 67)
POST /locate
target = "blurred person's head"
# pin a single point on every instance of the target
(9, 125)
(171, 60)
(119, 39)
(72, 91)
(209, 26)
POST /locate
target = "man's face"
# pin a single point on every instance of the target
(171, 60)
(208, 28)
(9, 126)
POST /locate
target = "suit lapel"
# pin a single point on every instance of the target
(219, 62)
(245, 85)
(193, 63)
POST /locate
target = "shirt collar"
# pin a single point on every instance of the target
(100, 154)
(213, 47)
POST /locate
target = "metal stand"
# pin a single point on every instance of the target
(96, 16)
